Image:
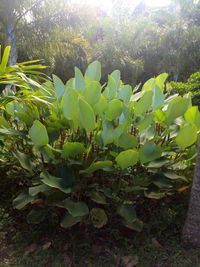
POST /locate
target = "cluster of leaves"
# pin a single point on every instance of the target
(90, 150)
(192, 85)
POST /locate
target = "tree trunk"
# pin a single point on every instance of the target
(11, 37)
(191, 230)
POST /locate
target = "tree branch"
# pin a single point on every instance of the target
(28, 10)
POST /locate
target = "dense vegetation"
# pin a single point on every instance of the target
(106, 133)
(92, 150)
(141, 41)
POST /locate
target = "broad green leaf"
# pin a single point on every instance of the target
(79, 80)
(100, 106)
(38, 134)
(127, 141)
(59, 87)
(69, 104)
(97, 197)
(55, 182)
(76, 209)
(161, 182)
(136, 225)
(22, 200)
(99, 165)
(144, 103)
(142, 181)
(125, 94)
(148, 86)
(70, 83)
(114, 109)
(93, 72)
(145, 122)
(98, 217)
(172, 175)
(159, 116)
(10, 109)
(25, 117)
(160, 80)
(92, 92)
(55, 198)
(154, 193)
(149, 152)
(66, 173)
(121, 128)
(68, 220)
(127, 158)
(192, 116)
(111, 88)
(33, 191)
(4, 123)
(158, 98)
(176, 108)
(36, 215)
(72, 150)
(86, 115)
(4, 60)
(187, 136)
(136, 96)
(107, 134)
(116, 76)
(24, 160)
(158, 163)
(127, 212)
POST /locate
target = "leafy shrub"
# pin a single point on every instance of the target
(89, 150)
(192, 85)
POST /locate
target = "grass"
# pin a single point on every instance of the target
(47, 244)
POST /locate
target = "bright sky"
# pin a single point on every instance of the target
(107, 4)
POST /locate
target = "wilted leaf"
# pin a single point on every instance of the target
(130, 261)
(98, 217)
(46, 245)
(30, 249)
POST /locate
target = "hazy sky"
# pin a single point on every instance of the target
(107, 4)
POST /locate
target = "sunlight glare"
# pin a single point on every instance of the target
(107, 4)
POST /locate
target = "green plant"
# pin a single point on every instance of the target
(89, 151)
(192, 85)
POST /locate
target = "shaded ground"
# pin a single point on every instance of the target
(47, 244)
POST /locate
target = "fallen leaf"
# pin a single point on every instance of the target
(38, 202)
(155, 243)
(181, 189)
(130, 261)
(30, 249)
(46, 245)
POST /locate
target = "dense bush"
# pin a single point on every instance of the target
(89, 150)
(192, 85)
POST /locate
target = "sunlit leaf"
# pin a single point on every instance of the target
(86, 115)
(93, 72)
(127, 158)
(38, 134)
(187, 136)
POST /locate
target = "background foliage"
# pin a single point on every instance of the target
(141, 42)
